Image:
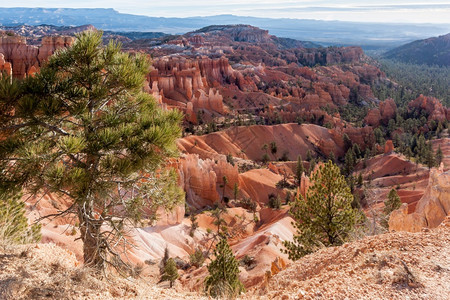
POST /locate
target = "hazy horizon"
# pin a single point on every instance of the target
(403, 11)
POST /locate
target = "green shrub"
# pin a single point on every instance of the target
(197, 258)
(274, 201)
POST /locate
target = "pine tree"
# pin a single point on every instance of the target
(218, 220)
(347, 142)
(299, 170)
(14, 226)
(312, 165)
(197, 258)
(170, 272)
(288, 198)
(194, 224)
(223, 279)
(379, 136)
(349, 162)
(429, 156)
(332, 157)
(356, 151)
(408, 153)
(273, 148)
(421, 148)
(325, 217)
(360, 180)
(236, 191)
(309, 155)
(83, 129)
(390, 205)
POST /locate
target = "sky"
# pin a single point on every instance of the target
(404, 11)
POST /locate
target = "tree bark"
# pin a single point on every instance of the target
(93, 243)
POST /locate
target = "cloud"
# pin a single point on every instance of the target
(345, 10)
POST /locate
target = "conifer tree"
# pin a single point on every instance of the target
(349, 162)
(299, 170)
(390, 205)
(223, 279)
(332, 157)
(197, 258)
(218, 220)
(236, 191)
(170, 272)
(325, 217)
(429, 156)
(356, 151)
(408, 153)
(83, 129)
(273, 148)
(347, 142)
(309, 156)
(164, 260)
(312, 165)
(360, 180)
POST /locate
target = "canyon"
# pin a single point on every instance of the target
(258, 89)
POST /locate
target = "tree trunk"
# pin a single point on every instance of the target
(93, 244)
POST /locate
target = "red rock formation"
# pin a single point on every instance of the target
(199, 181)
(212, 101)
(373, 117)
(388, 147)
(431, 209)
(182, 81)
(432, 106)
(388, 110)
(385, 112)
(25, 58)
(5, 66)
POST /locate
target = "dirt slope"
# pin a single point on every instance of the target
(398, 265)
(46, 271)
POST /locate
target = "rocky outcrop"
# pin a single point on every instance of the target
(249, 34)
(432, 106)
(333, 55)
(199, 181)
(189, 83)
(26, 59)
(385, 112)
(212, 101)
(388, 147)
(388, 110)
(373, 117)
(431, 209)
(5, 66)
